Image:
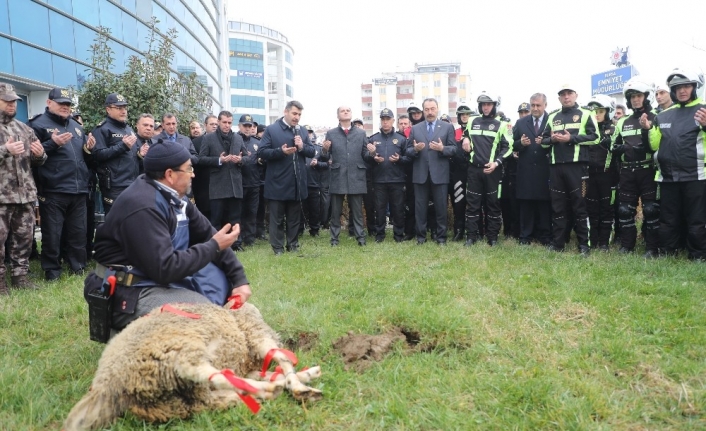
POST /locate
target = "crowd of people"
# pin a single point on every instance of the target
(585, 169)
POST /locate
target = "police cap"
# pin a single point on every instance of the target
(387, 113)
(524, 106)
(115, 99)
(246, 120)
(59, 95)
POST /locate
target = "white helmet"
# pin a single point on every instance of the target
(487, 98)
(413, 107)
(604, 102)
(637, 85)
(680, 76)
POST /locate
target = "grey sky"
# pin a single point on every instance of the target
(510, 48)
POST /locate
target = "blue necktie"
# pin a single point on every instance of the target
(430, 131)
(172, 138)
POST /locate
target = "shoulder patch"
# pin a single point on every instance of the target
(35, 117)
(555, 111)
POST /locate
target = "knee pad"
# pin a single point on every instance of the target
(650, 210)
(625, 211)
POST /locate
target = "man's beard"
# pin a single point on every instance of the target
(5, 118)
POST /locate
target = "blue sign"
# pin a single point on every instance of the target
(612, 81)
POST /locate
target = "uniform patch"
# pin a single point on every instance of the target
(255, 146)
(575, 118)
(78, 132)
(395, 141)
(491, 127)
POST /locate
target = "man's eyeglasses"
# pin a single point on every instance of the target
(189, 170)
(119, 108)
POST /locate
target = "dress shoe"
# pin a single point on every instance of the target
(441, 243)
(334, 243)
(379, 240)
(293, 249)
(314, 233)
(421, 241)
(584, 250)
(469, 242)
(524, 242)
(624, 250)
(492, 242)
(279, 252)
(408, 238)
(237, 247)
(604, 248)
(651, 254)
(361, 243)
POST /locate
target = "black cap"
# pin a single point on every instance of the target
(308, 128)
(60, 95)
(260, 128)
(165, 154)
(245, 119)
(357, 120)
(387, 112)
(115, 99)
(524, 106)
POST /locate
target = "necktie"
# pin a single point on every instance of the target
(430, 130)
(173, 138)
(536, 126)
(345, 130)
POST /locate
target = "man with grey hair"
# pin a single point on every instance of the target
(533, 174)
(431, 144)
(344, 146)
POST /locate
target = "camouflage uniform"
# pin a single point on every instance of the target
(18, 194)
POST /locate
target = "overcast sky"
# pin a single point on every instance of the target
(510, 48)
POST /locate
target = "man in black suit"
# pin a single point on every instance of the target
(533, 174)
(431, 144)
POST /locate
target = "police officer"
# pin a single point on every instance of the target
(313, 205)
(569, 132)
(600, 190)
(252, 181)
(62, 184)
(385, 154)
(677, 135)
(115, 151)
(630, 144)
(459, 174)
(487, 143)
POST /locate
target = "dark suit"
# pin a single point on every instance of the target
(185, 141)
(200, 182)
(225, 189)
(532, 182)
(430, 175)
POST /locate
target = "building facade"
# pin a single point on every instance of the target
(46, 44)
(397, 90)
(261, 72)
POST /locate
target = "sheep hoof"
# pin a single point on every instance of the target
(307, 394)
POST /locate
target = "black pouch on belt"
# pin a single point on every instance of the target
(100, 308)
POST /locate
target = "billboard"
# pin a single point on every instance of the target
(612, 81)
(385, 81)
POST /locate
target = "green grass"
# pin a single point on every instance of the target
(510, 338)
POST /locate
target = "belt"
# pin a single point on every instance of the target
(637, 164)
(476, 165)
(122, 274)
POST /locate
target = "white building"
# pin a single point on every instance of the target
(396, 90)
(260, 70)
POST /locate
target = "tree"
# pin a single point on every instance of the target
(148, 83)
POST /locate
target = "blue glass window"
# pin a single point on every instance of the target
(4, 18)
(143, 33)
(247, 83)
(64, 5)
(118, 56)
(5, 55)
(32, 63)
(128, 4)
(64, 71)
(89, 15)
(61, 30)
(129, 29)
(241, 101)
(110, 17)
(288, 57)
(260, 119)
(288, 73)
(84, 38)
(28, 21)
(289, 91)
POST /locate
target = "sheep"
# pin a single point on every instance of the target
(181, 359)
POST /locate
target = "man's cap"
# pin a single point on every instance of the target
(157, 124)
(246, 119)
(445, 117)
(524, 106)
(254, 124)
(308, 128)
(60, 95)
(567, 86)
(165, 154)
(387, 112)
(260, 128)
(357, 120)
(413, 108)
(7, 92)
(116, 100)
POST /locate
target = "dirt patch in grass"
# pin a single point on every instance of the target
(302, 341)
(572, 312)
(360, 351)
(651, 381)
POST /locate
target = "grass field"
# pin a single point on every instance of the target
(511, 337)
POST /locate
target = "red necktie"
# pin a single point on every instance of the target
(345, 130)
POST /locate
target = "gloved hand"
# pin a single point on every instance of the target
(618, 149)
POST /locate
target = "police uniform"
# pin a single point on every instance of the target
(18, 193)
(117, 164)
(490, 142)
(252, 181)
(678, 141)
(62, 189)
(388, 179)
(600, 190)
(568, 171)
(630, 145)
(458, 175)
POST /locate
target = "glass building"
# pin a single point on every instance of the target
(46, 44)
(260, 65)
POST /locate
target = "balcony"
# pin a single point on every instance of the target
(405, 82)
(368, 113)
(366, 86)
(453, 90)
(367, 99)
(408, 96)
